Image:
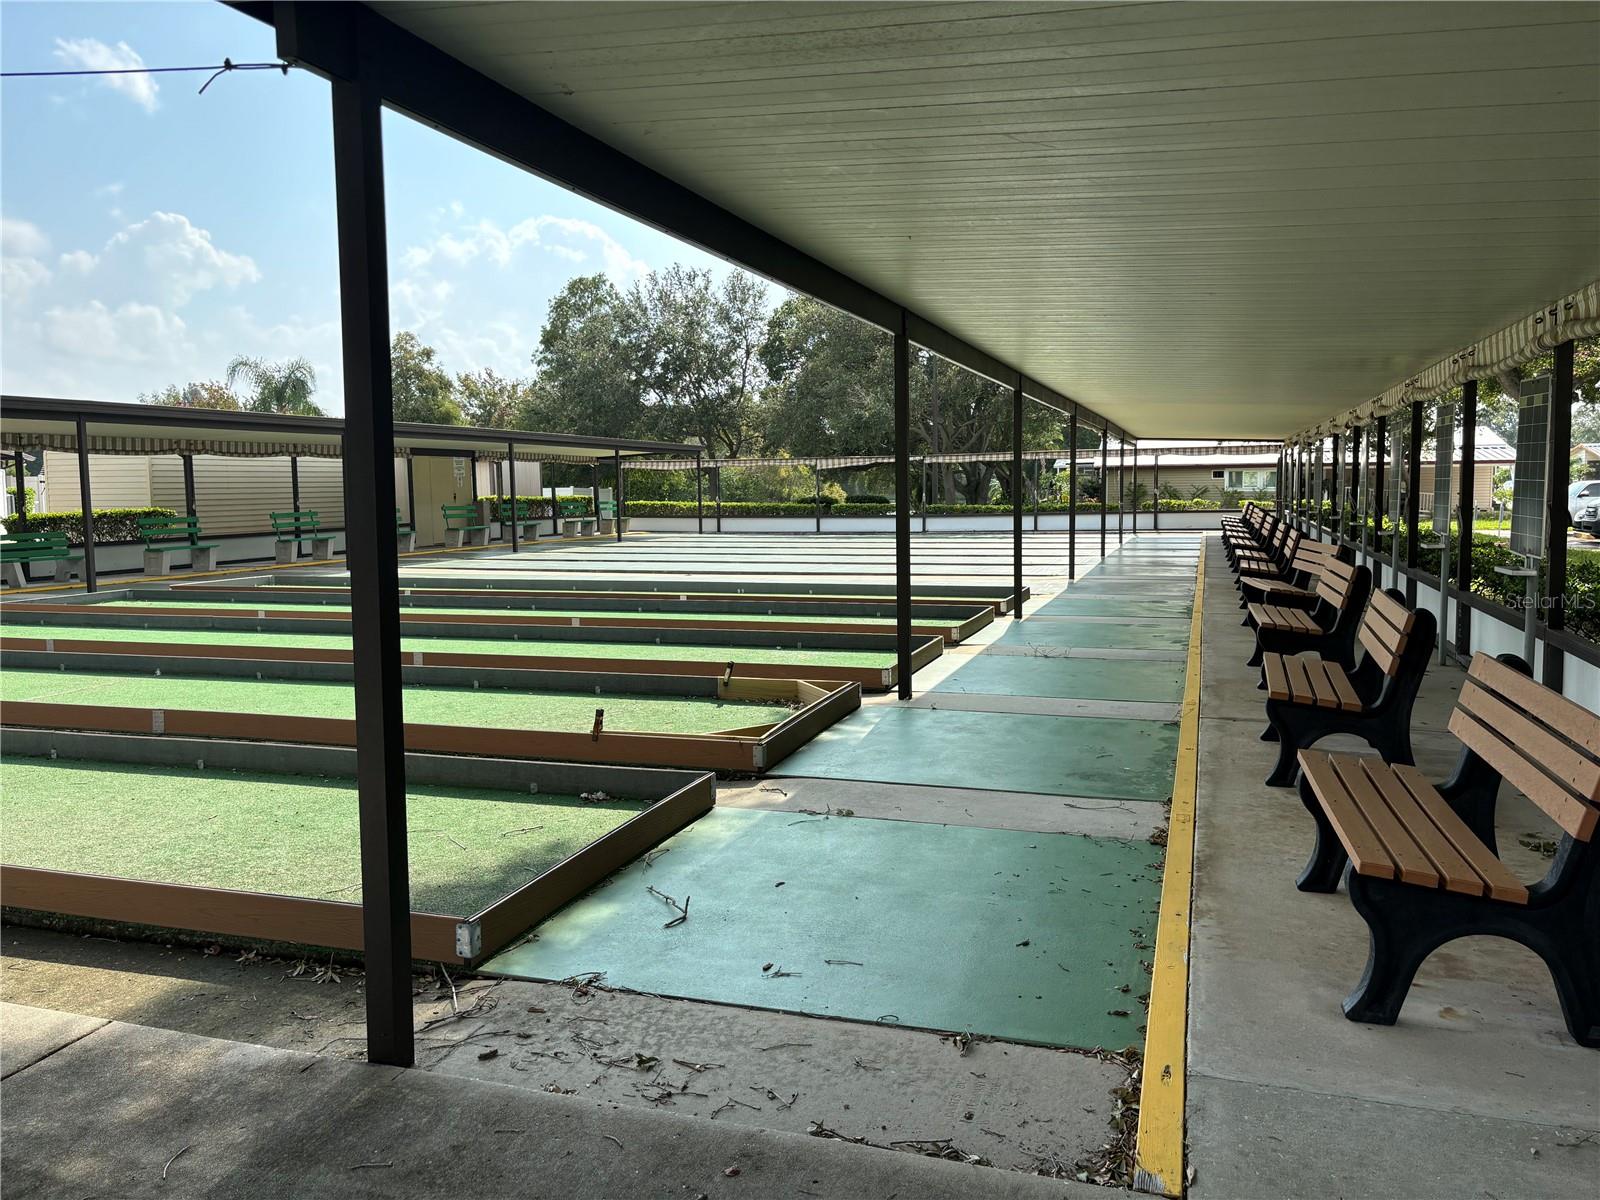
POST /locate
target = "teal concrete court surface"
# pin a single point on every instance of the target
(1067, 678)
(1064, 756)
(1143, 635)
(835, 916)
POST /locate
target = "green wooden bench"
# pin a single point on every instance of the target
(291, 530)
(526, 523)
(19, 551)
(164, 536)
(405, 532)
(462, 527)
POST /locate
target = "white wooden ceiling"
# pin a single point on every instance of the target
(1201, 219)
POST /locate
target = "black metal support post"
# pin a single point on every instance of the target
(1016, 498)
(188, 484)
(511, 497)
(594, 492)
(1358, 468)
(1038, 486)
(411, 493)
(816, 507)
(716, 492)
(1413, 510)
(902, 505)
(616, 500)
(294, 495)
(1105, 486)
(1335, 506)
(1072, 495)
(1464, 504)
(86, 502)
(1380, 499)
(555, 512)
(1122, 475)
(699, 497)
(1557, 517)
(1155, 489)
(373, 556)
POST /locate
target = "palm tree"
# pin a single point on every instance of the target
(277, 387)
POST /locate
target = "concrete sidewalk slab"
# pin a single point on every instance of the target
(130, 1111)
(28, 1035)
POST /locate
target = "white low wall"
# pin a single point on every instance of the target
(129, 557)
(1087, 523)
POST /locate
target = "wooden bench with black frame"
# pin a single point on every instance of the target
(1295, 586)
(1276, 555)
(1250, 517)
(164, 536)
(1309, 699)
(1251, 535)
(291, 530)
(1328, 629)
(1420, 862)
(462, 526)
(30, 548)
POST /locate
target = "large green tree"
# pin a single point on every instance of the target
(423, 390)
(697, 349)
(284, 387)
(587, 381)
(492, 401)
(209, 394)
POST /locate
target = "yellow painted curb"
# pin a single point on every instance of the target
(1158, 1153)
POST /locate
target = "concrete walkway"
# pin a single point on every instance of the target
(107, 1109)
(1478, 1091)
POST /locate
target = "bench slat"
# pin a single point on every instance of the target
(1413, 864)
(1566, 717)
(1566, 810)
(1348, 700)
(1395, 613)
(1555, 756)
(1277, 680)
(1388, 661)
(1360, 841)
(1457, 874)
(1502, 884)
(1299, 682)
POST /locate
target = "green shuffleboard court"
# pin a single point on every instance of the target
(289, 835)
(491, 708)
(489, 613)
(1031, 937)
(1057, 632)
(1068, 678)
(642, 650)
(1061, 756)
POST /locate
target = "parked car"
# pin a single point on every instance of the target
(1583, 505)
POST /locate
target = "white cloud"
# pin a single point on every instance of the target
(19, 237)
(91, 54)
(133, 333)
(168, 253)
(110, 189)
(21, 243)
(565, 237)
(80, 261)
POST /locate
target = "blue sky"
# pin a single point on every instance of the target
(150, 234)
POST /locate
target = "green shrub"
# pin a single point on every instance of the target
(539, 506)
(867, 498)
(110, 524)
(749, 508)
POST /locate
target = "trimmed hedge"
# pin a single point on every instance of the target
(748, 508)
(861, 506)
(110, 524)
(868, 498)
(539, 506)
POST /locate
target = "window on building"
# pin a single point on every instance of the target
(1263, 480)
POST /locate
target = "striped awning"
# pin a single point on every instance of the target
(1574, 316)
(167, 444)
